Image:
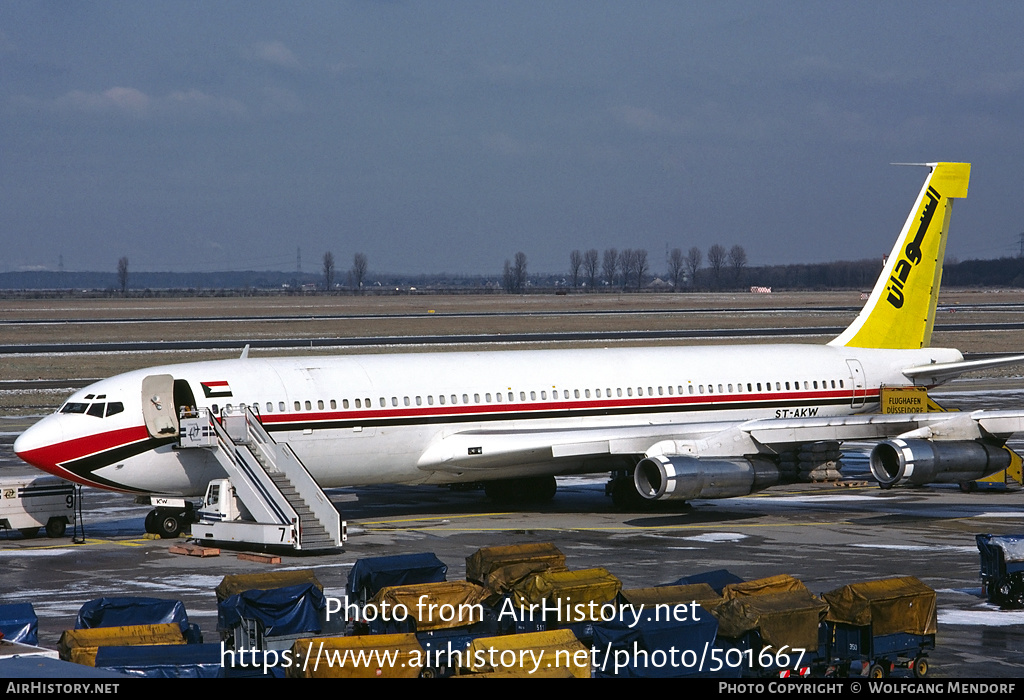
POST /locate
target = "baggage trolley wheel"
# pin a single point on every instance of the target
(55, 527)
(921, 667)
(878, 670)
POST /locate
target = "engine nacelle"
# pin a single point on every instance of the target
(675, 478)
(917, 462)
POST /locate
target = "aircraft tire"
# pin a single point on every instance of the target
(625, 497)
(539, 489)
(168, 525)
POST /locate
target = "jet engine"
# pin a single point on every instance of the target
(675, 477)
(917, 462)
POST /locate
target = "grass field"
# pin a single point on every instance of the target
(296, 317)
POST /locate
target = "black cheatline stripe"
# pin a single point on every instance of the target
(38, 491)
(558, 413)
(84, 467)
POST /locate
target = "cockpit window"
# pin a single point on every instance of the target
(99, 409)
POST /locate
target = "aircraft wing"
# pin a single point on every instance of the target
(484, 450)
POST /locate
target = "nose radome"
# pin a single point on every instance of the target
(30, 445)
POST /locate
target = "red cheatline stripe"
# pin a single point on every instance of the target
(711, 401)
(47, 457)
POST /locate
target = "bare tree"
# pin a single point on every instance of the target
(513, 277)
(328, 270)
(575, 265)
(590, 267)
(358, 271)
(737, 260)
(640, 267)
(122, 275)
(626, 267)
(609, 266)
(519, 270)
(716, 261)
(508, 282)
(694, 259)
(676, 267)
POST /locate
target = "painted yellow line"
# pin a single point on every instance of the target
(435, 517)
(71, 545)
(520, 527)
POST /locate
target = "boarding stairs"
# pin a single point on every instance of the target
(268, 479)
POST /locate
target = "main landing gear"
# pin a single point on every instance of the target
(170, 522)
(538, 489)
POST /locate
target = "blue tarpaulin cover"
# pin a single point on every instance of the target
(368, 576)
(18, 623)
(136, 610)
(717, 579)
(130, 610)
(673, 648)
(281, 611)
(163, 661)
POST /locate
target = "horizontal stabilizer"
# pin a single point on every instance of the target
(943, 371)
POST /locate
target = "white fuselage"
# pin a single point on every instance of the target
(371, 419)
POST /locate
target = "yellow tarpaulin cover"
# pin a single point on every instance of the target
(447, 604)
(487, 559)
(702, 593)
(571, 591)
(79, 646)
(369, 656)
(521, 654)
(781, 583)
(890, 606)
(234, 584)
(503, 579)
(783, 619)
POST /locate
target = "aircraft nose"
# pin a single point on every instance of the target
(36, 444)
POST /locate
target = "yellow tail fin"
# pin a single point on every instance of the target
(901, 310)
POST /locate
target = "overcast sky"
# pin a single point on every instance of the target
(445, 136)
